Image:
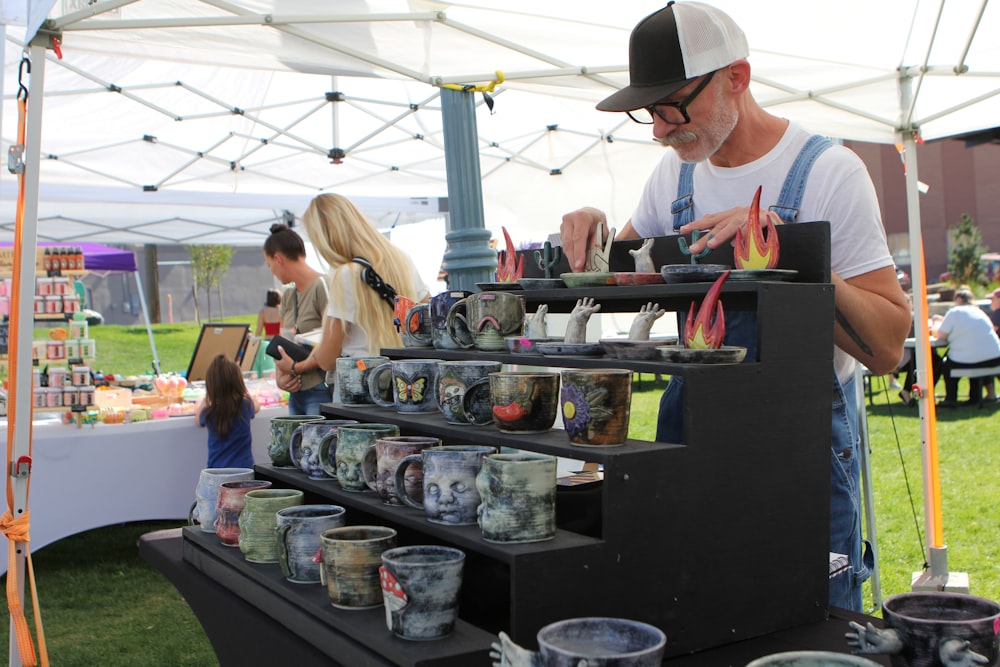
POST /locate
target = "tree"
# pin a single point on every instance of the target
(966, 249)
(209, 263)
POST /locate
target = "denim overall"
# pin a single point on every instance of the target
(741, 330)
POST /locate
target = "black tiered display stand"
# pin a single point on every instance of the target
(721, 540)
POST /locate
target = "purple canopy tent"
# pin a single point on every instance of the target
(104, 259)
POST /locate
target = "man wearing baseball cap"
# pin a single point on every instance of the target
(690, 81)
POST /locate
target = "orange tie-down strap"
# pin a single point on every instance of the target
(16, 531)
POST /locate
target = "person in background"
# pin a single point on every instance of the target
(226, 412)
(972, 343)
(690, 82)
(269, 317)
(302, 308)
(268, 325)
(995, 318)
(366, 273)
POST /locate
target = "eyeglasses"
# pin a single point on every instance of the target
(675, 113)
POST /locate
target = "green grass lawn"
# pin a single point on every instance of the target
(103, 605)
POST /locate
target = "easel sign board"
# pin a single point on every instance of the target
(227, 339)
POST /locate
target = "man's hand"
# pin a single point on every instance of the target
(721, 227)
(579, 233)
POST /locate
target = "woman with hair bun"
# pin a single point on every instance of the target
(302, 308)
(366, 272)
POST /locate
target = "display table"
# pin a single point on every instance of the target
(274, 629)
(94, 476)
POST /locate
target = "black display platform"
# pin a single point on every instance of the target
(243, 633)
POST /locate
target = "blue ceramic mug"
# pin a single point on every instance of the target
(450, 495)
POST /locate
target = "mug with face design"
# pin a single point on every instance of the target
(489, 317)
(455, 380)
(450, 493)
(379, 466)
(352, 443)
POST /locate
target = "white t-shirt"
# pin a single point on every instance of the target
(838, 190)
(355, 338)
(971, 338)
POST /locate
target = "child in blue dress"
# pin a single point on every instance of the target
(226, 411)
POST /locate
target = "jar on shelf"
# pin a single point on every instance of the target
(81, 376)
(88, 348)
(53, 397)
(72, 349)
(55, 349)
(39, 305)
(44, 287)
(58, 377)
(53, 304)
(86, 395)
(36, 377)
(71, 395)
(40, 397)
(38, 349)
(61, 286)
(70, 304)
(79, 329)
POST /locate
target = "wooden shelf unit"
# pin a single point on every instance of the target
(717, 539)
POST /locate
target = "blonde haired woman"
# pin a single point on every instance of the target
(366, 271)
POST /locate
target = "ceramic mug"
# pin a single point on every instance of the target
(413, 322)
(414, 385)
(519, 497)
(596, 404)
(455, 379)
(352, 378)
(282, 429)
(379, 466)
(206, 493)
(258, 520)
(590, 642)
(298, 533)
(231, 501)
(524, 402)
(450, 495)
(352, 556)
(309, 443)
(420, 586)
(352, 443)
(489, 317)
(442, 339)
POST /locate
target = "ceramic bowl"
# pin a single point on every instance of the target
(588, 279)
(632, 349)
(691, 273)
(727, 354)
(578, 349)
(525, 345)
(764, 274)
(625, 278)
(541, 283)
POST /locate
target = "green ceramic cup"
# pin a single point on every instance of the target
(282, 429)
(259, 518)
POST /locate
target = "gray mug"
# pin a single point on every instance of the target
(450, 495)
(352, 378)
(455, 380)
(414, 385)
(298, 534)
(519, 497)
(352, 443)
(420, 586)
(489, 317)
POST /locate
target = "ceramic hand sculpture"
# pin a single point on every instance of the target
(597, 256)
(509, 654)
(535, 325)
(643, 256)
(643, 322)
(576, 330)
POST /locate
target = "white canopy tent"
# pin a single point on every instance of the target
(890, 72)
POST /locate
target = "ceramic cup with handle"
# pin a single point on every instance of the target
(420, 586)
(379, 466)
(414, 385)
(352, 556)
(589, 642)
(440, 305)
(298, 534)
(524, 401)
(352, 378)
(352, 443)
(489, 317)
(450, 495)
(455, 380)
(413, 322)
(519, 497)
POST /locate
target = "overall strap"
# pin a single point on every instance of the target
(683, 206)
(790, 197)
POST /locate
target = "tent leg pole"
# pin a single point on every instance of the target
(145, 315)
(867, 490)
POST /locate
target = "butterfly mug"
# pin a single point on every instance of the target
(414, 385)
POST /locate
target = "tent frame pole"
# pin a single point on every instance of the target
(145, 316)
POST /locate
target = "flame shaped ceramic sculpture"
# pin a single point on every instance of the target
(705, 332)
(751, 249)
(510, 267)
